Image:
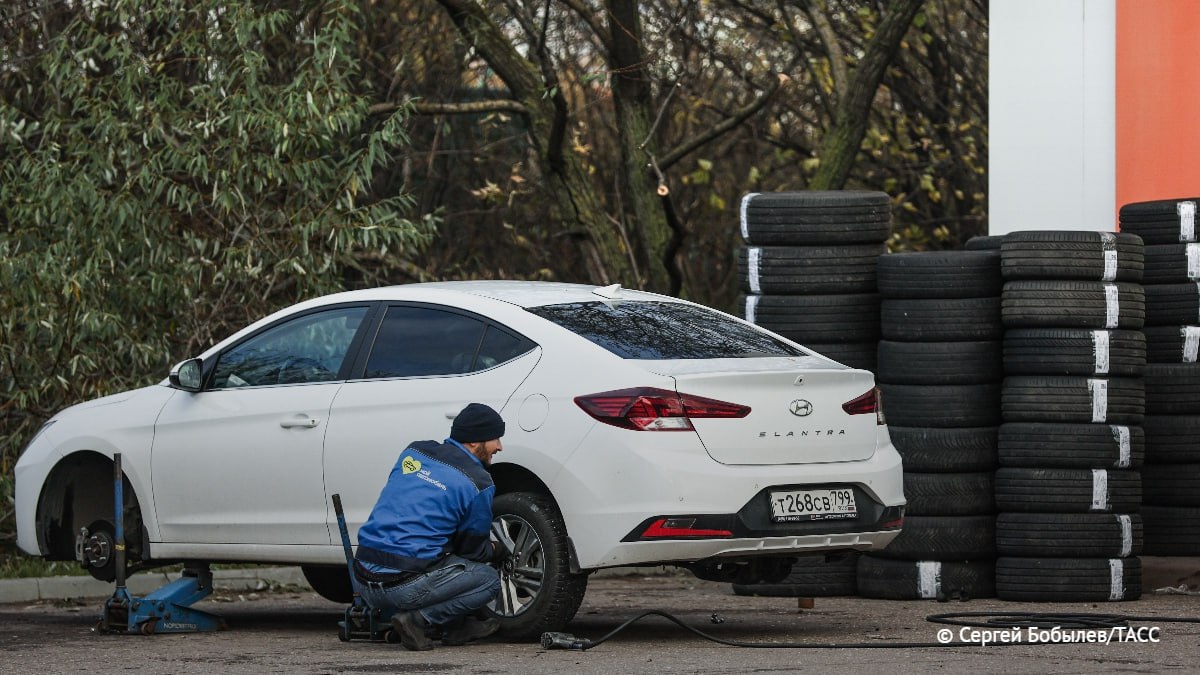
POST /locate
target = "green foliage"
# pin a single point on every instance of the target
(170, 169)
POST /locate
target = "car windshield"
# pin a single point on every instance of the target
(664, 330)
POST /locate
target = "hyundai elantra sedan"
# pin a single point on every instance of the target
(642, 430)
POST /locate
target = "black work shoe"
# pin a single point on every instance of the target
(469, 630)
(410, 626)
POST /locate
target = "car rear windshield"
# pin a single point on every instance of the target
(663, 330)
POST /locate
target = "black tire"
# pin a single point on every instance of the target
(940, 274)
(1050, 254)
(329, 582)
(1071, 446)
(819, 319)
(984, 242)
(1068, 491)
(531, 604)
(854, 354)
(1172, 304)
(1158, 222)
(817, 217)
(956, 362)
(1171, 530)
(943, 538)
(948, 494)
(940, 319)
(1172, 388)
(1171, 264)
(1172, 344)
(959, 405)
(1073, 399)
(808, 269)
(1068, 535)
(811, 577)
(1068, 579)
(1171, 484)
(1172, 439)
(1074, 351)
(1072, 304)
(940, 450)
(925, 580)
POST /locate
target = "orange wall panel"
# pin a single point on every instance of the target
(1157, 100)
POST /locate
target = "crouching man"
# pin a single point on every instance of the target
(425, 548)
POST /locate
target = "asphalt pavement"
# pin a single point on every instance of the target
(281, 626)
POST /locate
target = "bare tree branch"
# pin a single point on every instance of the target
(837, 58)
(730, 122)
(431, 108)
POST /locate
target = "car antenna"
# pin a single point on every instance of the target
(610, 292)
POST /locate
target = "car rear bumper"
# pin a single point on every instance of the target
(608, 498)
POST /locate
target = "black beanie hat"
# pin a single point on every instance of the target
(477, 422)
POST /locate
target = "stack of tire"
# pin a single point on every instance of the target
(1068, 490)
(1171, 477)
(808, 273)
(939, 373)
(808, 269)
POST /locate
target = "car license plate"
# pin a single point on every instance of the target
(797, 505)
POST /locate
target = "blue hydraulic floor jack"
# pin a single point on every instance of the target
(362, 622)
(166, 610)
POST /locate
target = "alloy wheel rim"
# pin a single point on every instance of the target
(521, 576)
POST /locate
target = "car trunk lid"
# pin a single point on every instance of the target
(796, 412)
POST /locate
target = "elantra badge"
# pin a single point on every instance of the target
(800, 408)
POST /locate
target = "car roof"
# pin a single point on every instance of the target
(519, 293)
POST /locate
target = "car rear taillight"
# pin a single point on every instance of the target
(867, 403)
(653, 409)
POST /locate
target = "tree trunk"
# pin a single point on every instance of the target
(840, 146)
(578, 204)
(635, 126)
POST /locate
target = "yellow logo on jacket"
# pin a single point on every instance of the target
(410, 465)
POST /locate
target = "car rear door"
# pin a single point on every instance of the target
(421, 367)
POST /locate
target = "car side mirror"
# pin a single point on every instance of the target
(187, 375)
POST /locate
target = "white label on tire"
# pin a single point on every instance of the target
(1124, 453)
(1110, 266)
(929, 579)
(1126, 535)
(1191, 343)
(1100, 351)
(1193, 261)
(1187, 220)
(1116, 572)
(1112, 306)
(743, 210)
(1099, 490)
(755, 259)
(1099, 391)
(752, 308)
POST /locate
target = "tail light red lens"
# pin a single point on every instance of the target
(653, 409)
(866, 404)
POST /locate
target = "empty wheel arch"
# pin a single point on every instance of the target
(78, 494)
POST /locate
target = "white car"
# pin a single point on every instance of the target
(642, 430)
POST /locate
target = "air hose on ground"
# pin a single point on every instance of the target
(994, 620)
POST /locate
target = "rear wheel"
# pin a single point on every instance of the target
(538, 592)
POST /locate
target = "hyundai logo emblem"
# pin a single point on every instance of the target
(800, 408)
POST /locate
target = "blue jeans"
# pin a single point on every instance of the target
(455, 589)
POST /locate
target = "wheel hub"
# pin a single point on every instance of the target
(96, 548)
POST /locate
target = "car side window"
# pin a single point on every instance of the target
(423, 341)
(499, 346)
(310, 348)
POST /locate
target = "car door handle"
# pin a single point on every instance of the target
(301, 421)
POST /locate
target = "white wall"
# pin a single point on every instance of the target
(1051, 115)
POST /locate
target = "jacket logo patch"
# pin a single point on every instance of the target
(410, 465)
